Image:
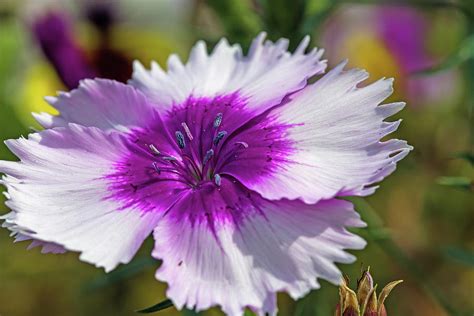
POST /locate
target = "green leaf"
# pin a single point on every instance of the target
(465, 53)
(164, 305)
(189, 312)
(457, 182)
(460, 255)
(248, 313)
(317, 11)
(284, 18)
(156, 308)
(468, 156)
(125, 272)
(241, 23)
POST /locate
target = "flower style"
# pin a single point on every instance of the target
(234, 162)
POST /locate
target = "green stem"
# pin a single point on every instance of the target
(378, 234)
(469, 77)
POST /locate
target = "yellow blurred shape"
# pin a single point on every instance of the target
(145, 45)
(134, 42)
(40, 81)
(368, 52)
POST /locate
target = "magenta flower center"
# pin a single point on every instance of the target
(197, 146)
(192, 164)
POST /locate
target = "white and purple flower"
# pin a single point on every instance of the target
(234, 162)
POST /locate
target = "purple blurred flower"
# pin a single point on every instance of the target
(233, 162)
(391, 40)
(404, 30)
(53, 32)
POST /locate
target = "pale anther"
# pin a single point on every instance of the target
(243, 144)
(187, 131)
(217, 179)
(218, 120)
(153, 149)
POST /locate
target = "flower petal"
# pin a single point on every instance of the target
(264, 76)
(102, 103)
(21, 235)
(58, 195)
(236, 250)
(335, 131)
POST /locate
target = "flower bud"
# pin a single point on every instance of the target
(350, 306)
(369, 306)
(384, 294)
(365, 301)
(364, 286)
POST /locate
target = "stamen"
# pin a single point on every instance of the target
(208, 156)
(186, 129)
(219, 137)
(153, 149)
(243, 144)
(218, 120)
(155, 166)
(170, 158)
(217, 179)
(180, 139)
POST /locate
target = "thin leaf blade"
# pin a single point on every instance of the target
(456, 182)
(459, 255)
(467, 156)
(464, 53)
(157, 307)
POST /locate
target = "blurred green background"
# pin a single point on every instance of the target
(421, 220)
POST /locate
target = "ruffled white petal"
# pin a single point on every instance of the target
(21, 235)
(58, 195)
(102, 103)
(336, 133)
(284, 246)
(264, 76)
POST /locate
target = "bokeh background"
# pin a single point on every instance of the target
(421, 220)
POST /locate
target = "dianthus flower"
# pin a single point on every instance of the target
(234, 162)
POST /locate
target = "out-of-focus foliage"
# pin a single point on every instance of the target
(237, 17)
(421, 221)
(463, 54)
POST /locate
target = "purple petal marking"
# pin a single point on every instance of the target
(275, 246)
(161, 166)
(245, 205)
(226, 204)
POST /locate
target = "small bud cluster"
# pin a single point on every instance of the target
(364, 301)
